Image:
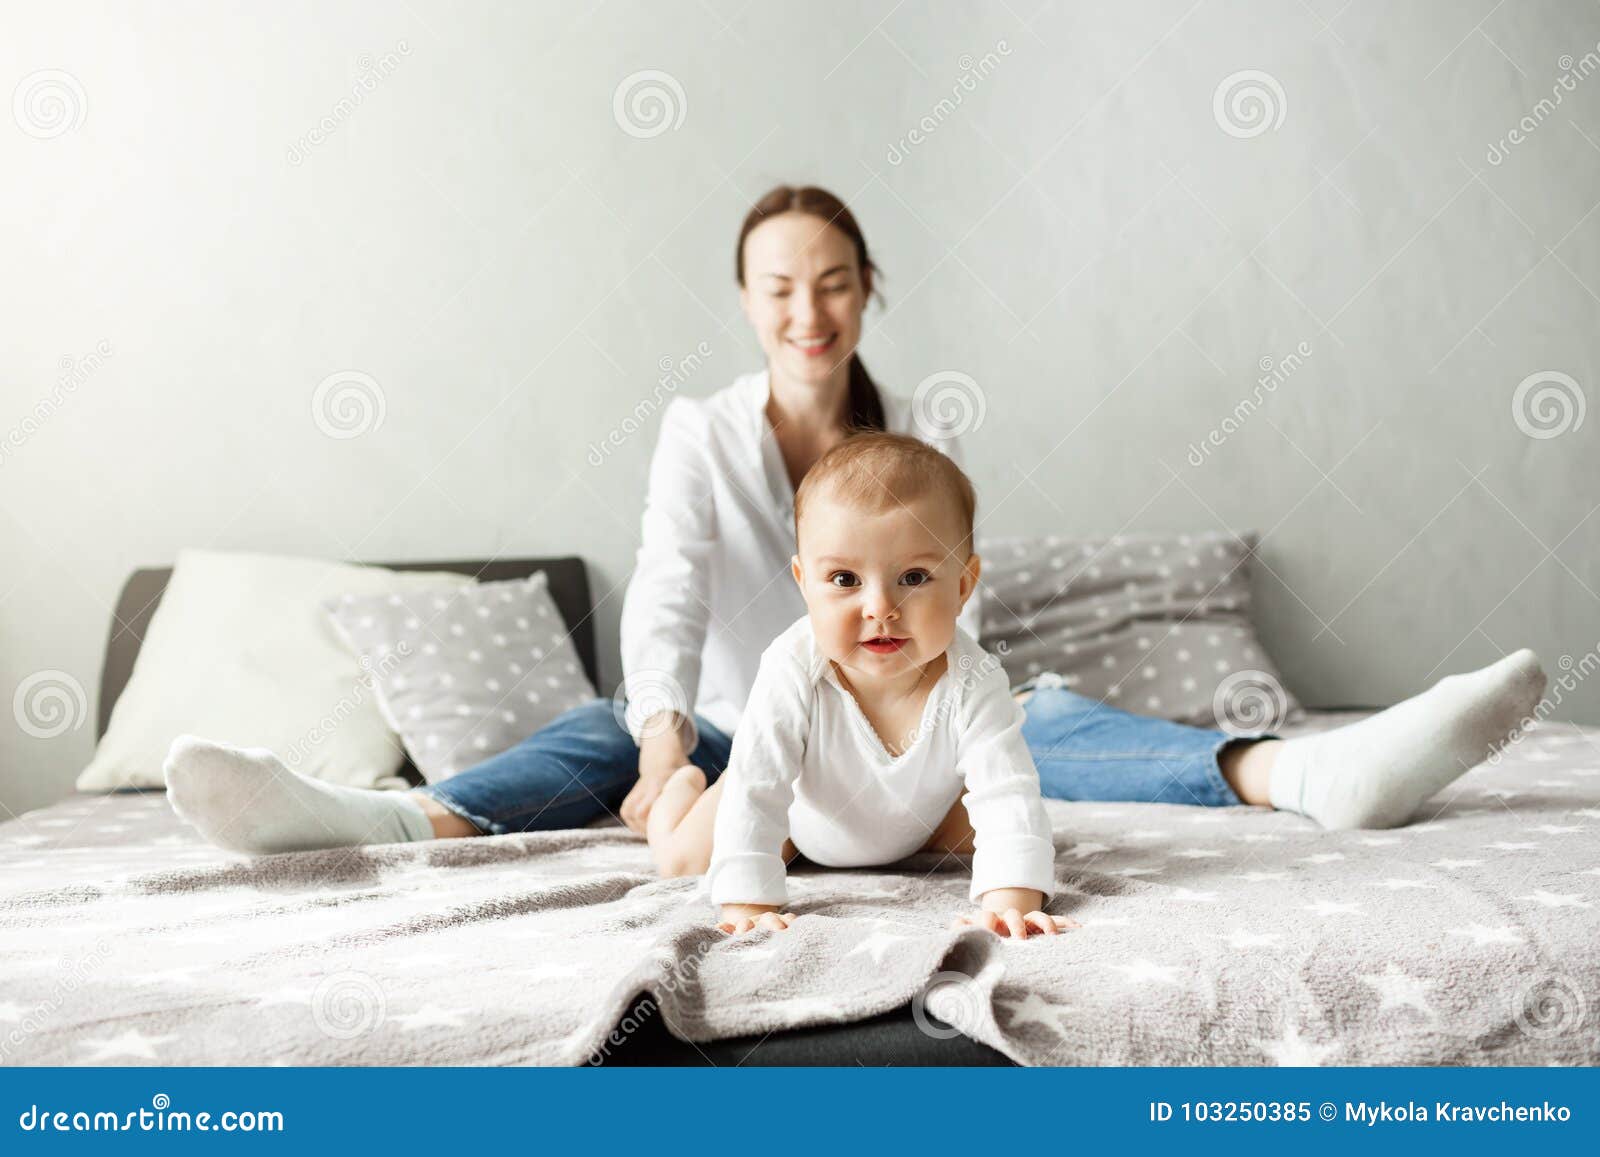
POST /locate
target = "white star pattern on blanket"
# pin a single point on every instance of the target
(1482, 934)
(431, 1016)
(1035, 1009)
(878, 943)
(132, 1043)
(1557, 900)
(1240, 938)
(1145, 972)
(1333, 908)
(1397, 990)
(1293, 1049)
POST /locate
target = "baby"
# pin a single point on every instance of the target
(873, 714)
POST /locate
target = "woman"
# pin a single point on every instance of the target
(711, 590)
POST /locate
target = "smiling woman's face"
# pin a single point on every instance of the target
(803, 293)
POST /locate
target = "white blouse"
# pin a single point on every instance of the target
(711, 586)
(810, 767)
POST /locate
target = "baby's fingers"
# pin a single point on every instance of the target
(1041, 923)
(983, 919)
(774, 921)
(1014, 924)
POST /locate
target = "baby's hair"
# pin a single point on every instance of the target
(876, 471)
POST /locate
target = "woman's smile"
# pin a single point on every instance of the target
(814, 347)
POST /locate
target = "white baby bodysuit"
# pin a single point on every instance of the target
(807, 765)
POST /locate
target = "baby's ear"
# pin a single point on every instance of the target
(969, 576)
(794, 569)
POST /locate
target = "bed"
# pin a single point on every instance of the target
(1237, 936)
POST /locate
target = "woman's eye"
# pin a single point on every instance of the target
(915, 578)
(843, 579)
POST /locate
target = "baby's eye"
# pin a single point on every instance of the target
(843, 579)
(916, 578)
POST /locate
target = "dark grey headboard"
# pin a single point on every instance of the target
(569, 586)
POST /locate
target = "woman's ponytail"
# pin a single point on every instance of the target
(866, 404)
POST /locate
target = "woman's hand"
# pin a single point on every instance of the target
(737, 918)
(660, 754)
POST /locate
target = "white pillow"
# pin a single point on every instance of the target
(241, 651)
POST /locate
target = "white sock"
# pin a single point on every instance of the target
(246, 800)
(1375, 773)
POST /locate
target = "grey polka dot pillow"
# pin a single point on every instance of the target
(463, 673)
(1154, 624)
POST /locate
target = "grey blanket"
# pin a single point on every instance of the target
(1211, 936)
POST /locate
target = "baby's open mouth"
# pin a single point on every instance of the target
(884, 644)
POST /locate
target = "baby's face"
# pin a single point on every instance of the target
(883, 590)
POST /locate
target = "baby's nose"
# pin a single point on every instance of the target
(879, 605)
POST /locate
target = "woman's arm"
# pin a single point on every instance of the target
(666, 608)
(665, 611)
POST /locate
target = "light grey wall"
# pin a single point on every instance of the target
(229, 203)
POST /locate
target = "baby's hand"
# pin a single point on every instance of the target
(1013, 923)
(737, 918)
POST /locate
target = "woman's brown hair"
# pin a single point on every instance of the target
(866, 405)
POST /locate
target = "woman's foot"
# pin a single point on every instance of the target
(678, 795)
(1375, 773)
(246, 800)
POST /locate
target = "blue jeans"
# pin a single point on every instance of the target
(581, 765)
(1087, 750)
